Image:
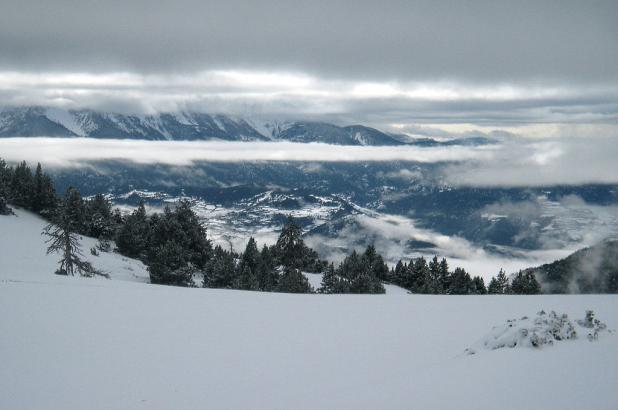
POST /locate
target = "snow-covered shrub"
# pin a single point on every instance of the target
(594, 325)
(104, 245)
(543, 329)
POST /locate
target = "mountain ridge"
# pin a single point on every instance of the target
(36, 121)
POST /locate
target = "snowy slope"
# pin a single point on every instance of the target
(75, 343)
(23, 253)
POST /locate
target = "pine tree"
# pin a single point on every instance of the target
(477, 286)
(290, 246)
(332, 283)
(434, 285)
(133, 236)
(247, 278)
(44, 200)
(22, 186)
(378, 268)
(267, 274)
(525, 283)
(168, 266)
(99, 223)
(499, 285)
(460, 282)
(6, 176)
(445, 276)
(75, 210)
(400, 275)
(293, 281)
(220, 269)
(419, 276)
(63, 240)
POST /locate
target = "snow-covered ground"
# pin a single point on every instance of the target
(76, 343)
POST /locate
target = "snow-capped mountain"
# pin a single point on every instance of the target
(54, 122)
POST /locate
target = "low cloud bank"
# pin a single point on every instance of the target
(516, 162)
(67, 152)
(391, 234)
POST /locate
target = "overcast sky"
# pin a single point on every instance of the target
(389, 63)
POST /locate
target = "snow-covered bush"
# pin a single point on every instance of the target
(543, 329)
(594, 325)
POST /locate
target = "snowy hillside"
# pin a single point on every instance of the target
(75, 343)
(23, 253)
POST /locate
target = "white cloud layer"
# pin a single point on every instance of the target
(74, 151)
(300, 95)
(516, 162)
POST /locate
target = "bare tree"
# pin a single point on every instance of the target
(62, 240)
(65, 242)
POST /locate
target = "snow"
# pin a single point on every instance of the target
(23, 253)
(66, 119)
(74, 343)
(315, 279)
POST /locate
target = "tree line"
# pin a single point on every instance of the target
(173, 244)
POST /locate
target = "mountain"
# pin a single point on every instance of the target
(53, 122)
(189, 126)
(589, 270)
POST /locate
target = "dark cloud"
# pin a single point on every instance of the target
(484, 41)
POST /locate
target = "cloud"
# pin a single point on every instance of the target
(513, 163)
(570, 40)
(564, 161)
(391, 235)
(71, 152)
(296, 94)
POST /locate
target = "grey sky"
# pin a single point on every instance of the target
(559, 58)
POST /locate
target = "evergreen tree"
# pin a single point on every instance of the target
(445, 276)
(191, 234)
(267, 274)
(289, 247)
(168, 266)
(434, 284)
(493, 288)
(6, 176)
(75, 210)
(419, 276)
(477, 286)
(100, 223)
(460, 282)
(333, 283)
(133, 236)
(356, 270)
(499, 285)
(247, 279)
(525, 283)
(44, 199)
(378, 268)
(293, 281)
(401, 275)
(22, 186)
(63, 240)
(220, 269)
